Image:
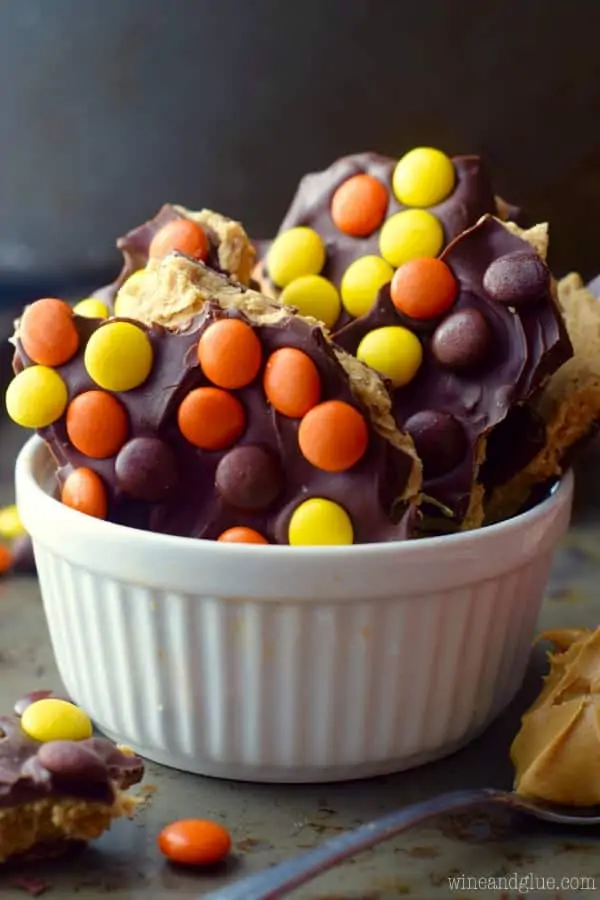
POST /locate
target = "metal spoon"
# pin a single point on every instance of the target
(279, 880)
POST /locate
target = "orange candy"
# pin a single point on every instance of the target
(423, 288)
(48, 332)
(194, 842)
(97, 424)
(211, 418)
(242, 535)
(359, 205)
(291, 382)
(230, 353)
(84, 491)
(6, 559)
(181, 234)
(333, 436)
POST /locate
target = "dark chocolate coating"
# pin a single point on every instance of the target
(89, 770)
(471, 198)
(368, 492)
(528, 343)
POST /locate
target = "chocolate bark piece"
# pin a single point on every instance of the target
(229, 249)
(569, 405)
(378, 492)
(56, 793)
(526, 342)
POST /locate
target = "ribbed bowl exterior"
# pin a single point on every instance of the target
(263, 665)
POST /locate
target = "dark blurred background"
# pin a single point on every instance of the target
(111, 107)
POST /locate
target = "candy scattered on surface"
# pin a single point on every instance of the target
(362, 281)
(118, 356)
(333, 436)
(211, 418)
(320, 522)
(96, 424)
(423, 177)
(291, 382)
(194, 842)
(146, 469)
(359, 205)
(6, 559)
(10, 523)
(51, 719)
(183, 235)
(299, 251)
(240, 534)
(230, 354)
(423, 288)
(91, 308)
(394, 352)
(315, 296)
(84, 491)
(48, 333)
(36, 397)
(410, 234)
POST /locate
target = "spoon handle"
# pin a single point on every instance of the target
(279, 880)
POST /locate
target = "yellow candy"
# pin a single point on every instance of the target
(122, 298)
(423, 177)
(56, 720)
(36, 397)
(319, 522)
(361, 283)
(410, 234)
(298, 251)
(393, 351)
(10, 523)
(118, 356)
(315, 296)
(91, 308)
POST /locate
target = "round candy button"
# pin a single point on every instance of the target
(423, 177)
(298, 251)
(320, 522)
(249, 478)
(182, 235)
(394, 352)
(55, 720)
(518, 277)
(440, 441)
(84, 491)
(211, 418)
(359, 204)
(313, 295)
(241, 535)
(292, 382)
(462, 341)
(91, 308)
(36, 397)
(333, 436)
(409, 234)
(146, 469)
(230, 353)
(118, 356)
(423, 288)
(48, 333)
(96, 424)
(362, 281)
(194, 842)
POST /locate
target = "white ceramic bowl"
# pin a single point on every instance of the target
(287, 663)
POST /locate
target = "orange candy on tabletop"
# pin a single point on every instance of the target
(359, 205)
(47, 331)
(96, 424)
(333, 436)
(6, 559)
(241, 535)
(194, 842)
(230, 353)
(84, 491)
(210, 418)
(291, 382)
(181, 234)
(423, 288)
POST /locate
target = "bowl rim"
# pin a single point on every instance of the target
(35, 453)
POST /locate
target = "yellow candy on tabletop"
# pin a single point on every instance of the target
(118, 356)
(36, 397)
(320, 522)
(410, 234)
(393, 351)
(362, 281)
(52, 719)
(423, 177)
(298, 251)
(91, 308)
(11, 526)
(313, 295)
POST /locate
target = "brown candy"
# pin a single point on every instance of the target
(462, 341)
(440, 441)
(146, 469)
(516, 278)
(249, 478)
(73, 761)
